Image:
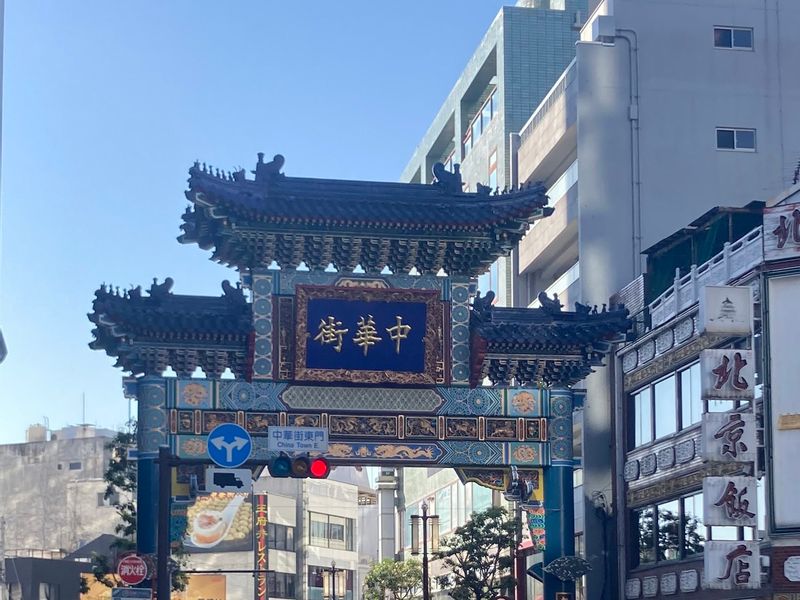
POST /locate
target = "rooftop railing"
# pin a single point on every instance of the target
(547, 102)
(736, 259)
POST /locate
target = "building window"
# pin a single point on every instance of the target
(743, 140)
(667, 406)
(111, 500)
(280, 537)
(734, 38)
(280, 585)
(330, 531)
(75, 466)
(480, 122)
(668, 531)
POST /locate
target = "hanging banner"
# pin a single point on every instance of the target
(726, 310)
(729, 437)
(782, 232)
(730, 501)
(728, 374)
(731, 565)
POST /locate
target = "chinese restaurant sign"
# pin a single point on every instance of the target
(782, 231)
(726, 310)
(728, 374)
(731, 565)
(261, 562)
(729, 501)
(367, 335)
(729, 437)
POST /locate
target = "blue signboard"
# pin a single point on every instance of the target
(229, 445)
(368, 335)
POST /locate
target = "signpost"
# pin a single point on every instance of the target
(298, 439)
(132, 569)
(229, 480)
(229, 445)
(131, 593)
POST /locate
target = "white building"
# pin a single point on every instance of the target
(669, 109)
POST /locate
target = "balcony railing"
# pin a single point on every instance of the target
(736, 259)
(555, 93)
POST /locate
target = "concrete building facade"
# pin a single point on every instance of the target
(51, 490)
(669, 109)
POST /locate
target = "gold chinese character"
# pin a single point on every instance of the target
(330, 333)
(366, 334)
(398, 333)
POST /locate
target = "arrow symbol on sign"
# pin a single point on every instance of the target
(237, 444)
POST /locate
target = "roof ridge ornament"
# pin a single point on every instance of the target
(549, 305)
(449, 182)
(265, 172)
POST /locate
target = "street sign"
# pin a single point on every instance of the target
(132, 569)
(229, 480)
(298, 439)
(229, 445)
(131, 593)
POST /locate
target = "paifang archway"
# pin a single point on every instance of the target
(391, 363)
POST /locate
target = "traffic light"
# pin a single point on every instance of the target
(299, 467)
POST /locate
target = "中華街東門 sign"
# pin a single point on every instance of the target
(367, 335)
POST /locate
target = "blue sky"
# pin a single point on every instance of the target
(107, 104)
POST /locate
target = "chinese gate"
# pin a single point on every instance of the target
(390, 363)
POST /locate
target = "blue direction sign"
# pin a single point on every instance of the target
(229, 445)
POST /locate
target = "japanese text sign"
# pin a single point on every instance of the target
(729, 501)
(298, 439)
(729, 437)
(261, 560)
(367, 335)
(728, 374)
(731, 566)
(726, 310)
(782, 231)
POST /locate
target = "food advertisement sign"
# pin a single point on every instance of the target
(219, 522)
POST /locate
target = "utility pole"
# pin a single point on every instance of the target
(3, 558)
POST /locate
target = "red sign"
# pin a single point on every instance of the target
(132, 570)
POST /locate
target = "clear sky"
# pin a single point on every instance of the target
(107, 104)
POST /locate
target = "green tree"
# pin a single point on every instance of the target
(400, 580)
(477, 556)
(121, 477)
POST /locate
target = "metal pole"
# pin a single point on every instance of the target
(519, 558)
(333, 580)
(162, 547)
(425, 588)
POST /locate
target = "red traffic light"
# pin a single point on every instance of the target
(319, 468)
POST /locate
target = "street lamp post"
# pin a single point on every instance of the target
(415, 520)
(329, 583)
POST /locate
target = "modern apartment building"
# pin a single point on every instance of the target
(522, 54)
(525, 49)
(669, 109)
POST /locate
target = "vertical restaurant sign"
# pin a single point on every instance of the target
(726, 310)
(734, 565)
(261, 563)
(729, 437)
(369, 335)
(730, 501)
(728, 374)
(782, 231)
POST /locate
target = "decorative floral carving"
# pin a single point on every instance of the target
(648, 464)
(666, 458)
(631, 472)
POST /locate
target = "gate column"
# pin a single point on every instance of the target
(151, 433)
(558, 492)
(387, 484)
